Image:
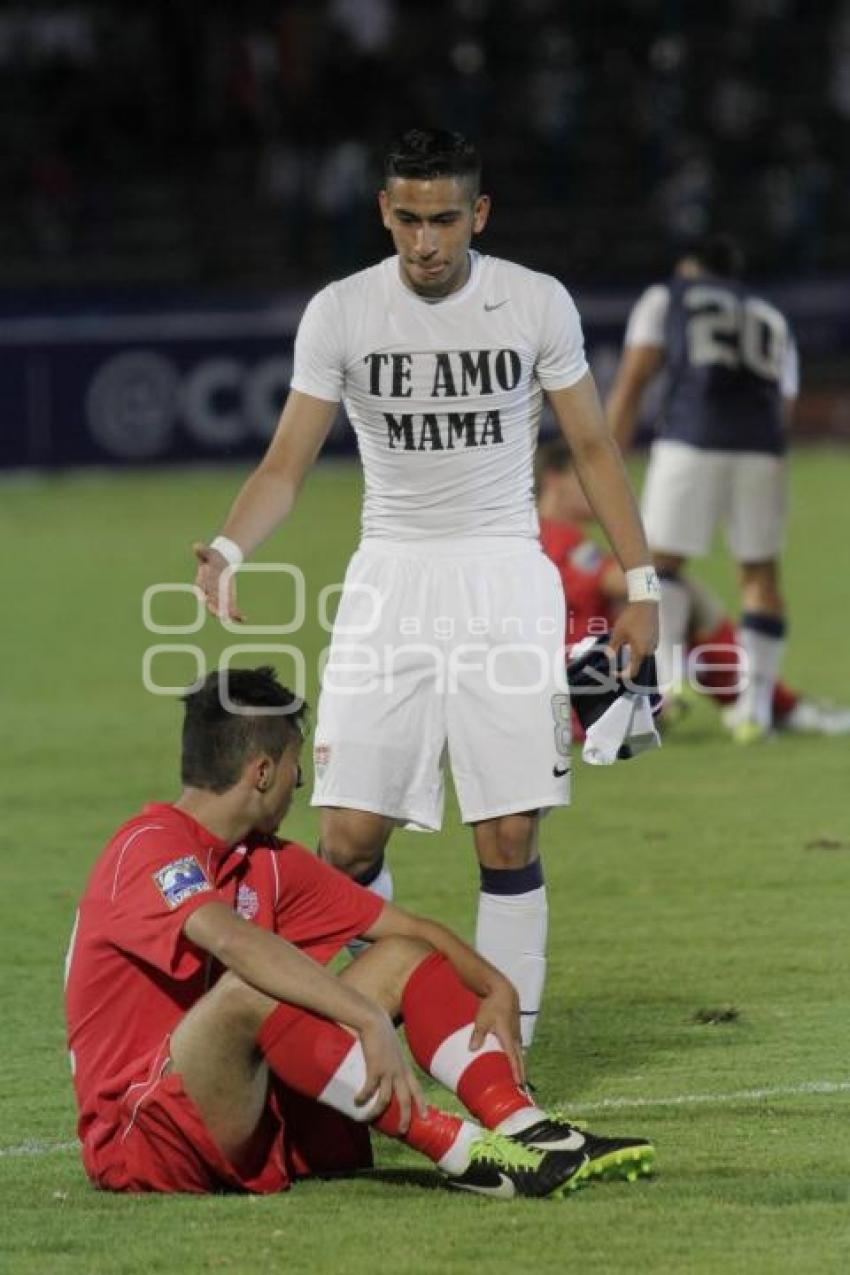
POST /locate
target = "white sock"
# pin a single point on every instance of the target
(456, 1159)
(346, 1083)
(511, 934)
(762, 639)
(673, 625)
(382, 885)
(520, 1120)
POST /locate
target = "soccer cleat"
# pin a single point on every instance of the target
(607, 1158)
(749, 732)
(501, 1168)
(744, 730)
(808, 717)
(675, 708)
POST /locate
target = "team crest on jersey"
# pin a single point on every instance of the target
(321, 756)
(247, 902)
(179, 880)
(587, 556)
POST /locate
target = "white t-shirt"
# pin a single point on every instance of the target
(445, 397)
(646, 326)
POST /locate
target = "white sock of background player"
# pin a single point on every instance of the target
(762, 638)
(673, 623)
(379, 880)
(513, 918)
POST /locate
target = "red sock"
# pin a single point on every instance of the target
(322, 1060)
(439, 1013)
(722, 685)
(784, 699)
(720, 678)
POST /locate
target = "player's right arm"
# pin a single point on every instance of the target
(641, 360)
(790, 382)
(638, 366)
(269, 495)
(268, 963)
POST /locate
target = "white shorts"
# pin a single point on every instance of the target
(689, 490)
(445, 649)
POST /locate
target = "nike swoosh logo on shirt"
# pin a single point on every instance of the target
(495, 305)
(557, 772)
(504, 1191)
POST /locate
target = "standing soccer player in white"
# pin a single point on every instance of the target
(448, 639)
(719, 454)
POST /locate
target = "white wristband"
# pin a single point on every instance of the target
(642, 585)
(229, 550)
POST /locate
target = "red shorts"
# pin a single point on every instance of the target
(152, 1138)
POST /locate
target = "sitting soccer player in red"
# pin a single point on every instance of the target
(211, 1049)
(595, 588)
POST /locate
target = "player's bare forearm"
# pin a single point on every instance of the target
(268, 496)
(271, 965)
(600, 469)
(609, 491)
(621, 410)
(264, 502)
(638, 365)
(606, 485)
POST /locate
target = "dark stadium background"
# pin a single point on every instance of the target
(176, 178)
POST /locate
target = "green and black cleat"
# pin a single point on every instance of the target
(505, 1170)
(608, 1159)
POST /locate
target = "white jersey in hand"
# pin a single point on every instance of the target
(445, 396)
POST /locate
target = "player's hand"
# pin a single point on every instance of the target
(499, 1014)
(387, 1073)
(211, 568)
(637, 628)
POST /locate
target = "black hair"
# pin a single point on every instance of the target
(720, 254)
(426, 153)
(221, 733)
(553, 457)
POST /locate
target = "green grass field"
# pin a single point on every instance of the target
(700, 878)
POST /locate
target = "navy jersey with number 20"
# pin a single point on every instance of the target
(726, 353)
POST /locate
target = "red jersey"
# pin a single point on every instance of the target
(131, 974)
(581, 565)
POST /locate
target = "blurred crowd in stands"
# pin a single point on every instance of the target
(191, 142)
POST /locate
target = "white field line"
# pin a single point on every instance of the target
(38, 1146)
(35, 1146)
(808, 1087)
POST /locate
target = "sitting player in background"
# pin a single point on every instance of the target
(211, 1050)
(720, 451)
(595, 588)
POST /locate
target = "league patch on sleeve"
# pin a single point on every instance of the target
(587, 556)
(179, 880)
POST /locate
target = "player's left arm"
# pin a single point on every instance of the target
(789, 382)
(499, 1009)
(639, 365)
(603, 477)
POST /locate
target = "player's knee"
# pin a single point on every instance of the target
(238, 1002)
(354, 855)
(760, 588)
(510, 842)
(382, 971)
(402, 951)
(398, 957)
(668, 565)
